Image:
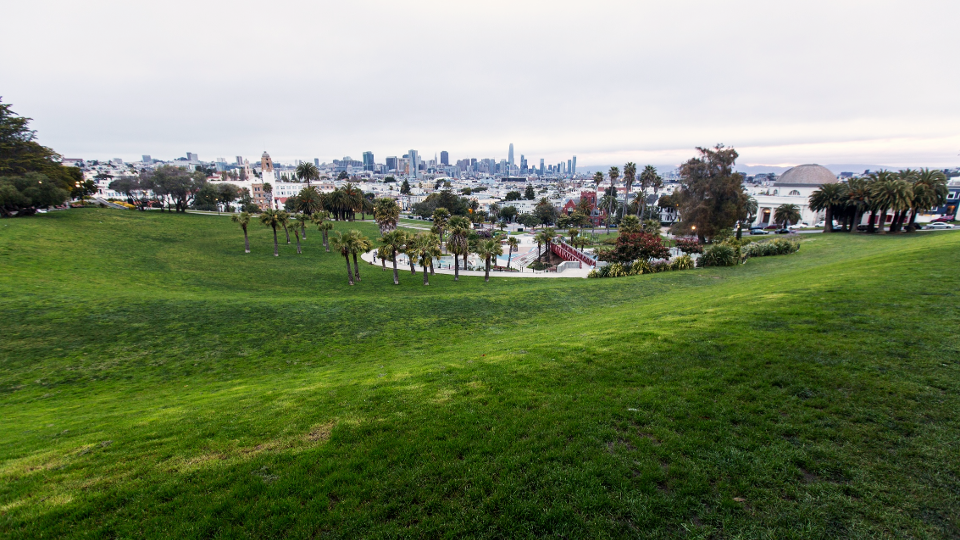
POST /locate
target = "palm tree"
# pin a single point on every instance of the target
(787, 214)
(858, 201)
(630, 224)
(322, 220)
(828, 198)
(929, 191)
(243, 219)
(284, 218)
(889, 193)
(342, 243)
(458, 243)
(648, 178)
(544, 237)
(440, 218)
(386, 213)
(573, 233)
(614, 173)
(421, 247)
(487, 250)
(358, 244)
(629, 177)
(512, 244)
(300, 221)
(394, 241)
(307, 171)
(271, 218)
(296, 229)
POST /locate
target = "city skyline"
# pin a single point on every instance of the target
(788, 86)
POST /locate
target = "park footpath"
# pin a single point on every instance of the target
(404, 264)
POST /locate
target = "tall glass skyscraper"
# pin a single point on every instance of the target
(368, 164)
(510, 155)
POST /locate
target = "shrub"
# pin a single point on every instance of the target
(689, 245)
(617, 270)
(683, 262)
(718, 255)
(779, 246)
(659, 266)
(593, 274)
(640, 267)
(604, 271)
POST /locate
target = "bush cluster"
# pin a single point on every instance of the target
(718, 255)
(684, 262)
(779, 246)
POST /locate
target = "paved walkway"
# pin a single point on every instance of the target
(404, 264)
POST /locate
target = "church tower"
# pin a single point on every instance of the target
(266, 167)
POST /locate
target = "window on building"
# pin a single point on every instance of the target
(795, 193)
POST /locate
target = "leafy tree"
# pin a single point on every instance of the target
(206, 198)
(179, 185)
(389, 180)
(787, 214)
(343, 176)
(342, 244)
(487, 250)
(20, 154)
(131, 188)
(23, 195)
(226, 194)
(271, 218)
(711, 196)
(528, 220)
(456, 205)
(513, 196)
(508, 213)
(528, 193)
(243, 219)
(545, 212)
(633, 246)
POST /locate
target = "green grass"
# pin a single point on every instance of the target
(155, 381)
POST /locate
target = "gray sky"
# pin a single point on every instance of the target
(835, 81)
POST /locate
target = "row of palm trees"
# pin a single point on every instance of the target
(280, 219)
(906, 193)
(649, 178)
(425, 247)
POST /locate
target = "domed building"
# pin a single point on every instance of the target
(793, 187)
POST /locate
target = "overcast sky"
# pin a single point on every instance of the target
(835, 81)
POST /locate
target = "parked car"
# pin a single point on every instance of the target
(758, 230)
(938, 225)
(943, 219)
(800, 225)
(783, 231)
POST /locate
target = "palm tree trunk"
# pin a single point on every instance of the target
(383, 264)
(913, 220)
(298, 246)
(276, 244)
(356, 266)
(426, 276)
(456, 268)
(431, 267)
(326, 244)
(883, 220)
(486, 275)
(872, 226)
(509, 256)
(413, 268)
(396, 273)
(288, 233)
(828, 220)
(246, 240)
(304, 231)
(349, 272)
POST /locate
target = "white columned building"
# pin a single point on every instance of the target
(794, 187)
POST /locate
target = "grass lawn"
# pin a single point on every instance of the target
(155, 381)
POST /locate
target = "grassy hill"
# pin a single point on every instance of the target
(155, 381)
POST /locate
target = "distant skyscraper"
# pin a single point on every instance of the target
(414, 164)
(444, 158)
(316, 162)
(574, 170)
(569, 166)
(368, 164)
(192, 157)
(146, 158)
(240, 160)
(510, 155)
(392, 163)
(541, 167)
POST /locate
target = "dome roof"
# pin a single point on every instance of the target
(810, 175)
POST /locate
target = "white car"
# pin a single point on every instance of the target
(938, 225)
(797, 226)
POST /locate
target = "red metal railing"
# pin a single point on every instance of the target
(569, 253)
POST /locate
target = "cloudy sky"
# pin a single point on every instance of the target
(836, 81)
